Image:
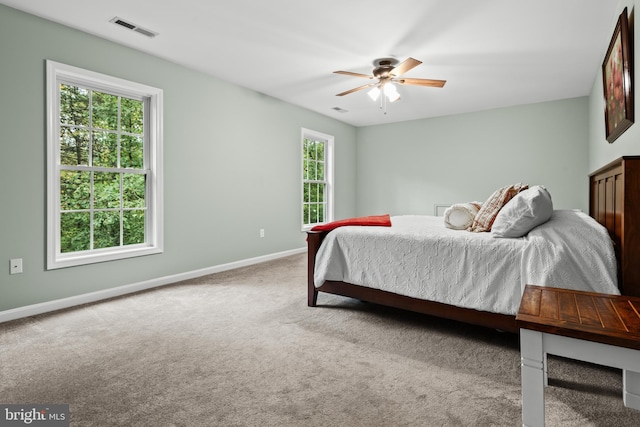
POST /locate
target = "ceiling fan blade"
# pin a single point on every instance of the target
(421, 82)
(405, 66)
(356, 89)
(349, 73)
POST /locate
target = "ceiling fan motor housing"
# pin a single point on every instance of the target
(384, 67)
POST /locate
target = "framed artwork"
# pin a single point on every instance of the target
(617, 81)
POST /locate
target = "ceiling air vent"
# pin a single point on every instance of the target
(133, 27)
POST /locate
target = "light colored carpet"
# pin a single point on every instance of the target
(241, 348)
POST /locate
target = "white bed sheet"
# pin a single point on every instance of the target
(419, 257)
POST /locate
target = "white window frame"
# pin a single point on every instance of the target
(328, 172)
(154, 236)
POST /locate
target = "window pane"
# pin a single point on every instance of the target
(316, 193)
(133, 191)
(305, 148)
(312, 170)
(105, 111)
(311, 150)
(106, 229)
(106, 188)
(320, 151)
(313, 191)
(74, 147)
(74, 105)
(133, 227)
(74, 231)
(320, 171)
(74, 190)
(321, 213)
(105, 149)
(306, 192)
(313, 215)
(305, 213)
(131, 152)
(132, 116)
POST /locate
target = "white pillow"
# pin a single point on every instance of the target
(527, 210)
(460, 215)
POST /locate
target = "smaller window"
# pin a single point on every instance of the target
(317, 178)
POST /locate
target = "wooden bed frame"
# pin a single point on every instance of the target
(614, 201)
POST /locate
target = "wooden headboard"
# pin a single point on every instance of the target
(614, 201)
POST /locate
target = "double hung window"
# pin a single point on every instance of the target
(317, 178)
(104, 154)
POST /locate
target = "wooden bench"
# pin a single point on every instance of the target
(587, 326)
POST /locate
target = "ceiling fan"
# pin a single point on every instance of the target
(387, 70)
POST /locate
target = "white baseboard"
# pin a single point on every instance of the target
(45, 307)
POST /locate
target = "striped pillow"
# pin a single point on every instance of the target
(489, 210)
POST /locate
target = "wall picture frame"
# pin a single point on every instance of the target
(617, 81)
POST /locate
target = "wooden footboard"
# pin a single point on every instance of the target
(482, 318)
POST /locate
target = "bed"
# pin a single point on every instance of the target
(488, 290)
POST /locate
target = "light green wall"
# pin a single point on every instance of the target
(407, 168)
(601, 151)
(231, 164)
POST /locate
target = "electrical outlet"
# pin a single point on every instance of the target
(15, 266)
(262, 232)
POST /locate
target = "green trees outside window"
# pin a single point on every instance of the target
(102, 176)
(314, 182)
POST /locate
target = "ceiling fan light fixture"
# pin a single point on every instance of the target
(387, 72)
(391, 92)
(374, 93)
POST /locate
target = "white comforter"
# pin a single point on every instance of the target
(419, 257)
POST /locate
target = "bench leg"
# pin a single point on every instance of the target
(631, 389)
(544, 369)
(533, 375)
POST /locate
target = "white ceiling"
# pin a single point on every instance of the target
(493, 53)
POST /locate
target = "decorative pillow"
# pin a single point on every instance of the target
(460, 215)
(525, 211)
(489, 210)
